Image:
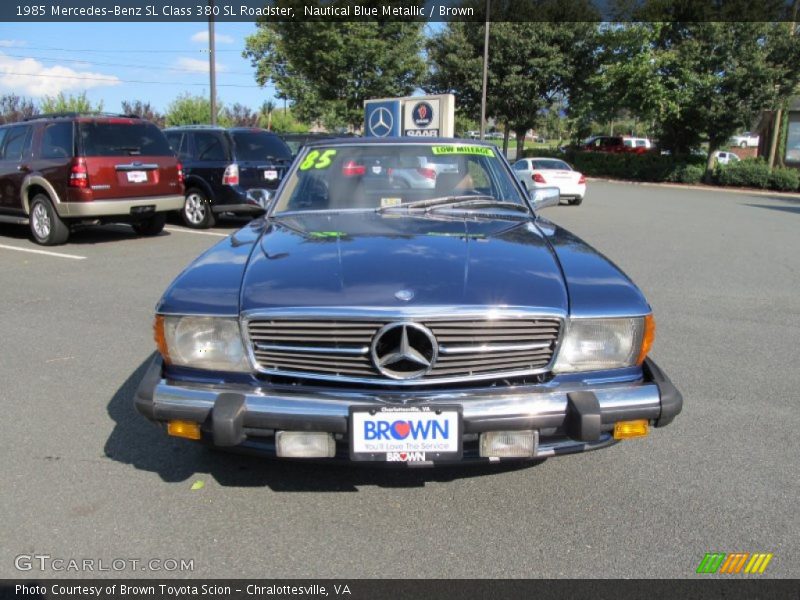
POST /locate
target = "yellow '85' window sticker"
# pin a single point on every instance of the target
(472, 150)
(317, 159)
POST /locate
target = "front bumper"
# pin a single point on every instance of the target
(572, 417)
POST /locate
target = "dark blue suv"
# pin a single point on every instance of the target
(233, 170)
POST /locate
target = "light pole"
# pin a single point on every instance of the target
(485, 69)
(211, 63)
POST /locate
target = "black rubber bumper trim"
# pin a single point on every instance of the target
(227, 419)
(583, 421)
(143, 400)
(671, 398)
(237, 208)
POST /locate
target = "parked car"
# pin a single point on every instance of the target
(60, 171)
(537, 173)
(295, 141)
(723, 158)
(610, 143)
(232, 170)
(634, 142)
(745, 140)
(362, 321)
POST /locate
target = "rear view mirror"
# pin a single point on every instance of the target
(544, 197)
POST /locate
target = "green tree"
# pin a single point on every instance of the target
(188, 109)
(143, 110)
(267, 108)
(69, 103)
(695, 80)
(15, 108)
(328, 68)
(531, 64)
(239, 115)
(284, 121)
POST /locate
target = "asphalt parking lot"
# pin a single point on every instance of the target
(84, 476)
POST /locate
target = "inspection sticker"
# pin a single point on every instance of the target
(474, 150)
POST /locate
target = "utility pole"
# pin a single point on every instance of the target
(485, 69)
(211, 63)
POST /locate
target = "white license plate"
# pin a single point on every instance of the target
(137, 176)
(405, 433)
(270, 175)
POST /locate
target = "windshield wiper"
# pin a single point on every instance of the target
(442, 200)
(483, 203)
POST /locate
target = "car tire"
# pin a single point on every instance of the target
(576, 201)
(196, 212)
(743, 145)
(46, 226)
(152, 225)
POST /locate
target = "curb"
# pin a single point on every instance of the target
(705, 188)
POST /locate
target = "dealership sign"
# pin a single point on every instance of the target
(421, 116)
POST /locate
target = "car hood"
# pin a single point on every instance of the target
(362, 259)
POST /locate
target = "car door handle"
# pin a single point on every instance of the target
(24, 168)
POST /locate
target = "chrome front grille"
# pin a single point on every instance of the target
(340, 347)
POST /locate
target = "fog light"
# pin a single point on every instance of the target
(184, 429)
(304, 444)
(509, 444)
(624, 430)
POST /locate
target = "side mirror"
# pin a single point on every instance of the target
(544, 197)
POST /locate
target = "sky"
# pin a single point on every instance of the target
(112, 62)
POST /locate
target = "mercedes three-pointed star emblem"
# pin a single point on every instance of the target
(381, 122)
(404, 350)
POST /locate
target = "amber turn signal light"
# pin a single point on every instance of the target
(648, 338)
(624, 430)
(158, 336)
(184, 429)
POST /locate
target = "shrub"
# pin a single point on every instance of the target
(752, 172)
(687, 174)
(784, 180)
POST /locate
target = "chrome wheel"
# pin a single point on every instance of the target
(195, 208)
(40, 221)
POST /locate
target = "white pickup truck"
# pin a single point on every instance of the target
(745, 140)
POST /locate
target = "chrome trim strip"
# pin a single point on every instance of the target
(122, 207)
(492, 348)
(355, 351)
(136, 167)
(428, 313)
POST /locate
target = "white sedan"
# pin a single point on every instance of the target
(551, 172)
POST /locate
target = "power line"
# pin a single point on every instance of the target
(107, 64)
(112, 79)
(148, 50)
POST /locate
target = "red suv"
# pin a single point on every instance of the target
(63, 170)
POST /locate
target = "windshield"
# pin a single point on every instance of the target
(259, 145)
(381, 176)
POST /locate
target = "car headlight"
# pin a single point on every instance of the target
(597, 344)
(212, 343)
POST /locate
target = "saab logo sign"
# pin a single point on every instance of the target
(422, 114)
(400, 430)
(736, 562)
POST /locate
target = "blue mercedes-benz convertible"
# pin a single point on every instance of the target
(403, 301)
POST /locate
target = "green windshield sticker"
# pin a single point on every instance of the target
(473, 150)
(317, 160)
(326, 234)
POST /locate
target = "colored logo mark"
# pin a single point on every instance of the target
(735, 562)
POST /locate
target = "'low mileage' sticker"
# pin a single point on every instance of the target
(473, 150)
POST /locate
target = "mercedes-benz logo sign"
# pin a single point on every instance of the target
(380, 122)
(404, 350)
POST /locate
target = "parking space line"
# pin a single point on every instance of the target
(45, 252)
(179, 230)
